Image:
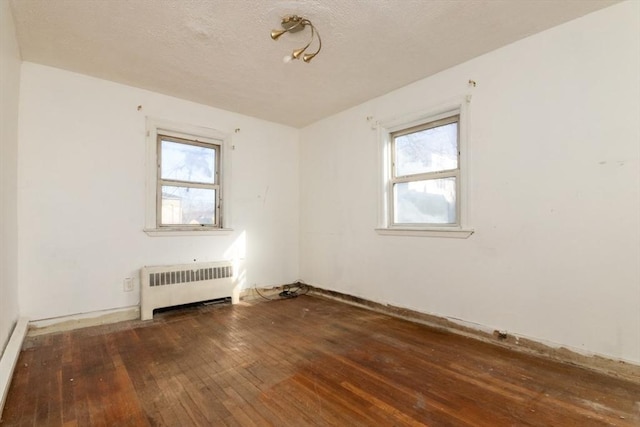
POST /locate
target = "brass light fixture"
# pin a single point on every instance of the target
(293, 24)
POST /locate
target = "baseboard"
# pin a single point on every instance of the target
(83, 320)
(618, 368)
(10, 358)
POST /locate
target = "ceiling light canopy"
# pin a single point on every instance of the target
(293, 24)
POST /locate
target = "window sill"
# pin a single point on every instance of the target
(159, 232)
(455, 233)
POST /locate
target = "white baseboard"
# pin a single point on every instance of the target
(83, 320)
(10, 358)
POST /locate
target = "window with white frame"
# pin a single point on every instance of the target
(188, 189)
(187, 179)
(423, 166)
(425, 174)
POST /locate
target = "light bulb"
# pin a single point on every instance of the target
(287, 59)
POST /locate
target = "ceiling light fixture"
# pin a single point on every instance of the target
(293, 24)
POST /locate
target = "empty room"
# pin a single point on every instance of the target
(320, 213)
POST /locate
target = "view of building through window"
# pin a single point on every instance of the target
(188, 182)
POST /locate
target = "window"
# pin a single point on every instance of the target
(187, 180)
(423, 166)
(188, 183)
(425, 174)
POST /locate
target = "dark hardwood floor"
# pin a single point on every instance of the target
(297, 362)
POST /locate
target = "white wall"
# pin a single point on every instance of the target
(9, 99)
(82, 193)
(554, 193)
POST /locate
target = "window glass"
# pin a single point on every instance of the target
(188, 183)
(188, 206)
(428, 150)
(425, 202)
(184, 162)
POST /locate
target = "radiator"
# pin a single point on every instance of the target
(169, 285)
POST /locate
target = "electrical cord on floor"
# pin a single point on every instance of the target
(288, 292)
(260, 293)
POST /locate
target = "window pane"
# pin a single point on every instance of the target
(191, 206)
(425, 202)
(185, 162)
(429, 150)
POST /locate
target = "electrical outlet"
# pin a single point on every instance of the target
(128, 284)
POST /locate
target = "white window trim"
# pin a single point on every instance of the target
(459, 106)
(179, 130)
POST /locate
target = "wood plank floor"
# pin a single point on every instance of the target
(304, 361)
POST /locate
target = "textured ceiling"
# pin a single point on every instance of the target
(219, 53)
